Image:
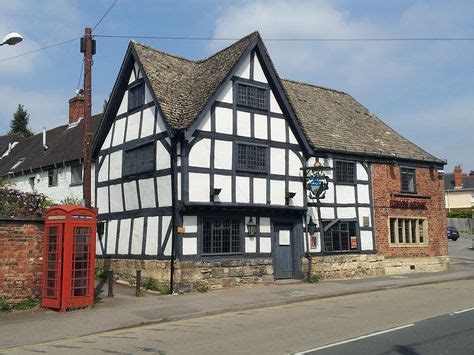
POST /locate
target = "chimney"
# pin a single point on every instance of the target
(76, 107)
(457, 177)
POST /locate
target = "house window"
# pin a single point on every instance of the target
(136, 96)
(408, 179)
(251, 96)
(139, 160)
(52, 177)
(31, 180)
(407, 231)
(221, 235)
(340, 237)
(76, 174)
(345, 172)
(251, 158)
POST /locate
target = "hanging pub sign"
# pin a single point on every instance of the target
(416, 205)
(316, 180)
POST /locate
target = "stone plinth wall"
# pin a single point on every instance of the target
(396, 266)
(386, 186)
(345, 266)
(193, 275)
(21, 258)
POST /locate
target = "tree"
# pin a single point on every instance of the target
(19, 123)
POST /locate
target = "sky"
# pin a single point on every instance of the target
(424, 90)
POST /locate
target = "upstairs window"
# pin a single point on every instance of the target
(345, 172)
(52, 177)
(139, 160)
(251, 96)
(136, 96)
(251, 158)
(408, 179)
(76, 174)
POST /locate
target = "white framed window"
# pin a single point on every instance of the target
(76, 174)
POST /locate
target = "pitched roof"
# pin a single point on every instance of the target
(467, 182)
(333, 120)
(64, 145)
(183, 87)
(6, 140)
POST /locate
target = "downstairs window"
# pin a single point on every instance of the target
(341, 236)
(221, 235)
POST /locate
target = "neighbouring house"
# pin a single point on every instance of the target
(209, 161)
(49, 162)
(459, 190)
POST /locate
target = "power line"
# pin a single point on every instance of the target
(382, 39)
(39, 49)
(105, 14)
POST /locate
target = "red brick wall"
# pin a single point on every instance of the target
(21, 254)
(386, 183)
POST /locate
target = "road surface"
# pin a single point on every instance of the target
(308, 325)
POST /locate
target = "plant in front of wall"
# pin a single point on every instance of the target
(313, 279)
(152, 285)
(71, 200)
(27, 304)
(202, 288)
(14, 203)
(4, 305)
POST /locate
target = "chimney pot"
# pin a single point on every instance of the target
(457, 177)
(76, 107)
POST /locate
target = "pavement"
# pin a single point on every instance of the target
(124, 310)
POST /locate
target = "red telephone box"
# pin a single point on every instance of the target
(68, 257)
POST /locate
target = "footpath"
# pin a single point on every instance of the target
(125, 310)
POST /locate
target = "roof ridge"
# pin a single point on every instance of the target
(315, 86)
(253, 34)
(165, 53)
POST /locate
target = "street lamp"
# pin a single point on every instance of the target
(11, 39)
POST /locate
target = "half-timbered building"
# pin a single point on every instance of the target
(202, 167)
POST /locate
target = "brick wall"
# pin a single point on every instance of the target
(21, 248)
(386, 182)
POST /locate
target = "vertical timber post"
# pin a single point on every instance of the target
(88, 49)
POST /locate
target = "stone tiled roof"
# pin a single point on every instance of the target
(6, 140)
(334, 121)
(467, 182)
(64, 145)
(183, 87)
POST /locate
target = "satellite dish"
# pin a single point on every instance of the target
(12, 38)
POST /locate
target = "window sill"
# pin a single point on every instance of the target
(75, 183)
(424, 245)
(411, 195)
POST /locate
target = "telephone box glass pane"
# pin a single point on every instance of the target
(81, 266)
(52, 264)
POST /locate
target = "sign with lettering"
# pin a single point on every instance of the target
(409, 204)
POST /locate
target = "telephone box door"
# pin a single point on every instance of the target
(52, 265)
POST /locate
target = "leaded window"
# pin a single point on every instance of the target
(221, 235)
(407, 231)
(76, 174)
(345, 172)
(139, 160)
(408, 179)
(136, 96)
(341, 236)
(53, 177)
(251, 158)
(251, 96)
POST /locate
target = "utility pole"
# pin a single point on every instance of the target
(88, 48)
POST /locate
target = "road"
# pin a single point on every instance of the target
(461, 250)
(298, 327)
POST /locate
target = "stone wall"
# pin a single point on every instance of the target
(21, 258)
(397, 266)
(386, 185)
(193, 275)
(345, 266)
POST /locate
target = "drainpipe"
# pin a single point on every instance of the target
(308, 254)
(174, 194)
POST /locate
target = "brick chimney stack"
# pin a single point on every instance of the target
(457, 177)
(76, 107)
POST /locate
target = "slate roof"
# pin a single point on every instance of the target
(333, 120)
(6, 140)
(64, 145)
(467, 182)
(182, 86)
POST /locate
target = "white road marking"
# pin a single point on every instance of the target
(356, 339)
(462, 311)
